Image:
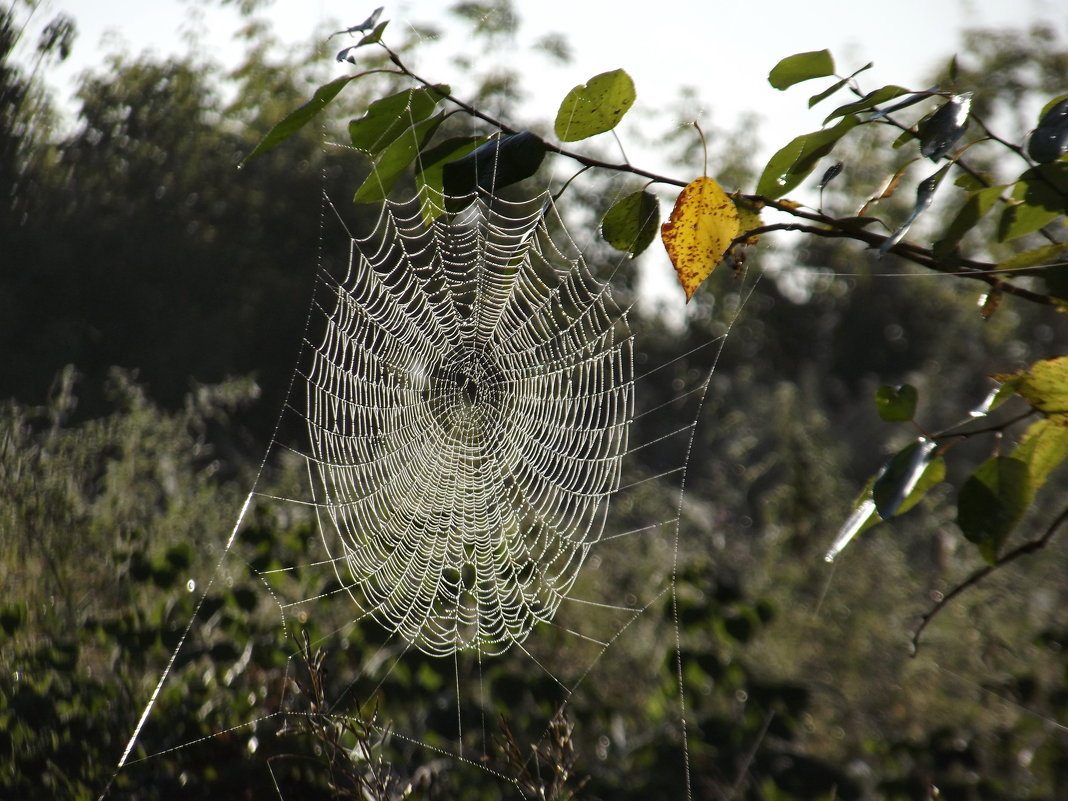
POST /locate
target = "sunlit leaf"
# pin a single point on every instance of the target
(801, 67)
(863, 517)
(394, 160)
(792, 164)
(867, 102)
(900, 476)
(991, 502)
(297, 119)
(702, 225)
(1043, 447)
(896, 404)
(389, 117)
(631, 224)
(1045, 385)
(500, 162)
(924, 197)
(1049, 141)
(595, 107)
(939, 132)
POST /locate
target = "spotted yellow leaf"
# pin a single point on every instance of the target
(702, 225)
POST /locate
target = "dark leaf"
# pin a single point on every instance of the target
(924, 197)
(801, 67)
(896, 404)
(498, 163)
(992, 501)
(431, 171)
(631, 224)
(830, 90)
(939, 132)
(1041, 196)
(1049, 141)
(830, 174)
(900, 477)
(366, 25)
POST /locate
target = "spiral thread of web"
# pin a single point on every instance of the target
(468, 410)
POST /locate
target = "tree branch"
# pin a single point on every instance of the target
(1023, 550)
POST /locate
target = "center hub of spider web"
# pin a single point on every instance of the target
(468, 410)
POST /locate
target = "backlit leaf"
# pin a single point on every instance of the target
(631, 223)
(595, 107)
(830, 90)
(297, 119)
(703, 224)
(1045, 385)
(394, 160)
(1043, 447)
(748, 216)
(792, 164)
(991, 502)
(896, 404)
(801, 67)
(389, 117)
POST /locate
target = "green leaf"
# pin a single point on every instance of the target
(991, 503)
(830, 90)
(595, 107)
(1045, 385)
(389, 117)
(896, 404)
(297, 119)
(1042, 196)
(632, 222)
(975, 207)
(1031, 258)
(1043, 448)
(792, 164)
(431, 172)
(801, 67)
(867, 102)
(500, 162)
(900, 476)
(394, 160)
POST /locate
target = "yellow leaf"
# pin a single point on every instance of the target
(748, 216)
(702, 225)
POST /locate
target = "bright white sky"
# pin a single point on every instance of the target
(723, 49)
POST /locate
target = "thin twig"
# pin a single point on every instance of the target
(980, 574)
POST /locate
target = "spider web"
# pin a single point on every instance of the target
(496, 471)
(468, 410)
